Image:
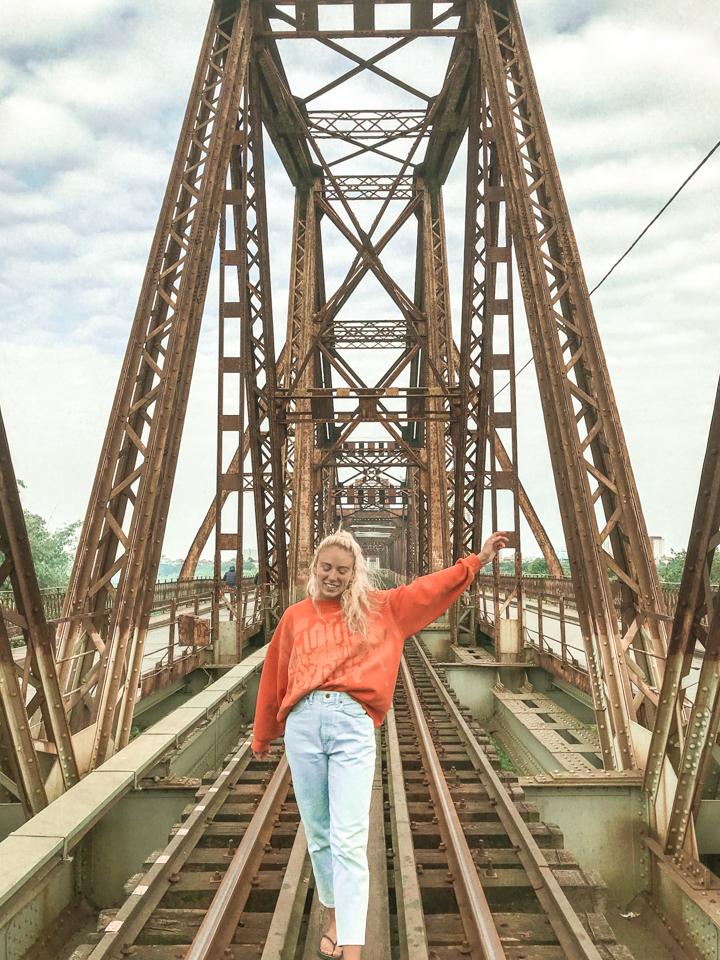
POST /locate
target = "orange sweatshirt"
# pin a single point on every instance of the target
(311, 650)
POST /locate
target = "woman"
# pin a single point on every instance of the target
(327, 682)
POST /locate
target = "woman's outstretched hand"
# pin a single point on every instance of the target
(261, 755)
(494, 543)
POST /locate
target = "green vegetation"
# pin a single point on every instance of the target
(538, 567)
(52, 551)
(505, 761)
(205, 570)
(670, 570)
(531, 568)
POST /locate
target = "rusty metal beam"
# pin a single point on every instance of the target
(302, 307)
(588, 450)
(51, 726)
(260, 370)
(696, 621)
(287, 134)
(437, 370)
(450, 121)
(123, 530)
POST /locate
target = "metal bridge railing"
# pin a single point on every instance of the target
(248, 601)
(54, 597)
(550, 600)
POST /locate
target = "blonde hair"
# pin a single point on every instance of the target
(356, 600)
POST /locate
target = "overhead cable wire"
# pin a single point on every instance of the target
(634, 243)
(657, 216)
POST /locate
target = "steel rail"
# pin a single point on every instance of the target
(282, 937)
(135, 912)
(408, 896)
(475, 911)
(569, 930)
(220, 922)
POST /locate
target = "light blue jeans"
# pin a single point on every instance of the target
(330, 746)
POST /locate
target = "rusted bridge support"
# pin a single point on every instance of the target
(20, 772)
(587, 448)
(258, 347)
(303, 478)
(437, 373)
(697, 622)
(123, 531)
(446, 413)
(37, 723)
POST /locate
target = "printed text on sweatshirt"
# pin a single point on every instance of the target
(312, 649)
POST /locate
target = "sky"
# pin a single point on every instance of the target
(92, 94)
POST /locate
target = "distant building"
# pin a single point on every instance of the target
(251, 553)
(658, 547)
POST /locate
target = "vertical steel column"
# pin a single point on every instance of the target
(299, 463)
(231, 383)
(413, 524)
(498, 280)
(435, 305)
(258, 348)
(473, 374)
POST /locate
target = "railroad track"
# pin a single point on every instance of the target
(492, 879)
(471, 871)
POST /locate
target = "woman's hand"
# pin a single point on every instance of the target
(494, 543)
(265, 755)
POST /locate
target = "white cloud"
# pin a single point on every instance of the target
(92, 94)
(40, 129)
(49, 23)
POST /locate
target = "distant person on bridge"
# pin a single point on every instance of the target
(230, 577)
(327, 682)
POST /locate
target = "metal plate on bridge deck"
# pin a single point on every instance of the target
(238, 674)
(71, 815)
(207, 699)
(179, 721)
(21, 857)
(140, 755)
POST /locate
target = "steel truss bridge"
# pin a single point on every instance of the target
(401, 426)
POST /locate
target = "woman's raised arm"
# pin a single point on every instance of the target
(415, 605)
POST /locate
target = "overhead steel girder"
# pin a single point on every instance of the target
(450, 121)
(125, 523)
(19, 715)
(588, 450)
(286, 132)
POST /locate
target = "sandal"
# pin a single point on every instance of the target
(329, 956)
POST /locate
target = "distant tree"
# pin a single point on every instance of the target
(671, 570)
(536, 568)
(52, 552)
(168, 569)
